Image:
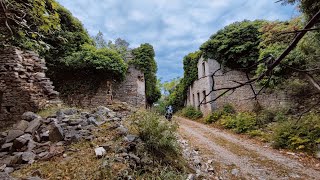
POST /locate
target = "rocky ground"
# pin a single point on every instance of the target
(36, 140)
(232, 157)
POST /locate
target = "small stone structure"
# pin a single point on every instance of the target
(23, 84)
(241, 98)
(132, 89)
(106, 91)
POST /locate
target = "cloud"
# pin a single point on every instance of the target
(174, 27)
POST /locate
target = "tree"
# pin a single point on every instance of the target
(26, 23)
(144, 60)
(99, 40)
(236, 46)
(308, 7)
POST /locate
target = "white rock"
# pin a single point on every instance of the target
(100, 151)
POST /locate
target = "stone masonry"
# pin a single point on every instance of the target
(23, 84)
(241, 98)
(132, 89)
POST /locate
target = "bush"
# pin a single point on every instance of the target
(214, 117)
(301, 135)
(228, 109)
(245, 122)
(265, 117)
(158, 134)
(191, 112)
(241, 123)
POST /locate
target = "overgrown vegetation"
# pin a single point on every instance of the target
(160, 140)
(236, 46)
(191, 113)
(144, 60)
(276, 126)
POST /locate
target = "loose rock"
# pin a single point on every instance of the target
(100, 152)
(29, 116)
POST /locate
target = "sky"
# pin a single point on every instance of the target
(175, 28)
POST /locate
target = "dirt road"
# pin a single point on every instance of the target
(237, 158)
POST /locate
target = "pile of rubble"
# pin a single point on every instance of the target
(203, 167)
(37, 138)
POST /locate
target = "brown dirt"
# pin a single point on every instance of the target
(231, 152)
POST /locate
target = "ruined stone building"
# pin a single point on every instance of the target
(241, 98)
(106, 91)
(131, 90)
(25, 87)
(23, 84)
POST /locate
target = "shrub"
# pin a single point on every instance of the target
(245, 122)
(213, 117)
(265, 117)
(298, 135)
(228, 109)
(158, 134)
(228, 121)
(241, 123)
(191, 112)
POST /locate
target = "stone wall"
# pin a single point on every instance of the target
(106, 91)
(200, 88)
(132, 89)
(241, 98)
(23, 84)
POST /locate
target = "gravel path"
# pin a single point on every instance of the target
(237, 158)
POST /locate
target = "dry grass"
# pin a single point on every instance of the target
(79, 164)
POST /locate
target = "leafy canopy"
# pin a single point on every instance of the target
(103, 60)
(144, 60)
(235, 46)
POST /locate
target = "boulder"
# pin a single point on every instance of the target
(100, 152)
(21, 141)
(44, 136)
(13, 134)
(130, 138)
(92, 120)
(6, 147)
(56, 133)
(6, 176)
(33, 126)
(8, 170)
(101, 110)
(28, 157)
(22, 125)
(70, 111)
(121, 130)
(29, 116)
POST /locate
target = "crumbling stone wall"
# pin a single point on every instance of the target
(201, 88)
(132, 89)
(23, 84)
(241, 98)
(105, 91)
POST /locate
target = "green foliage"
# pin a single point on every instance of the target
(39, 20)
(178, 96)
(213, 117)
(144, 60)
(69, 39)
(104, 61)
(158, 134)
(236, 46)
(191, 112)
(190, 68)
(301, 135)
(241, 123)
(228, 109)
(308, 7)
(274, 43)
